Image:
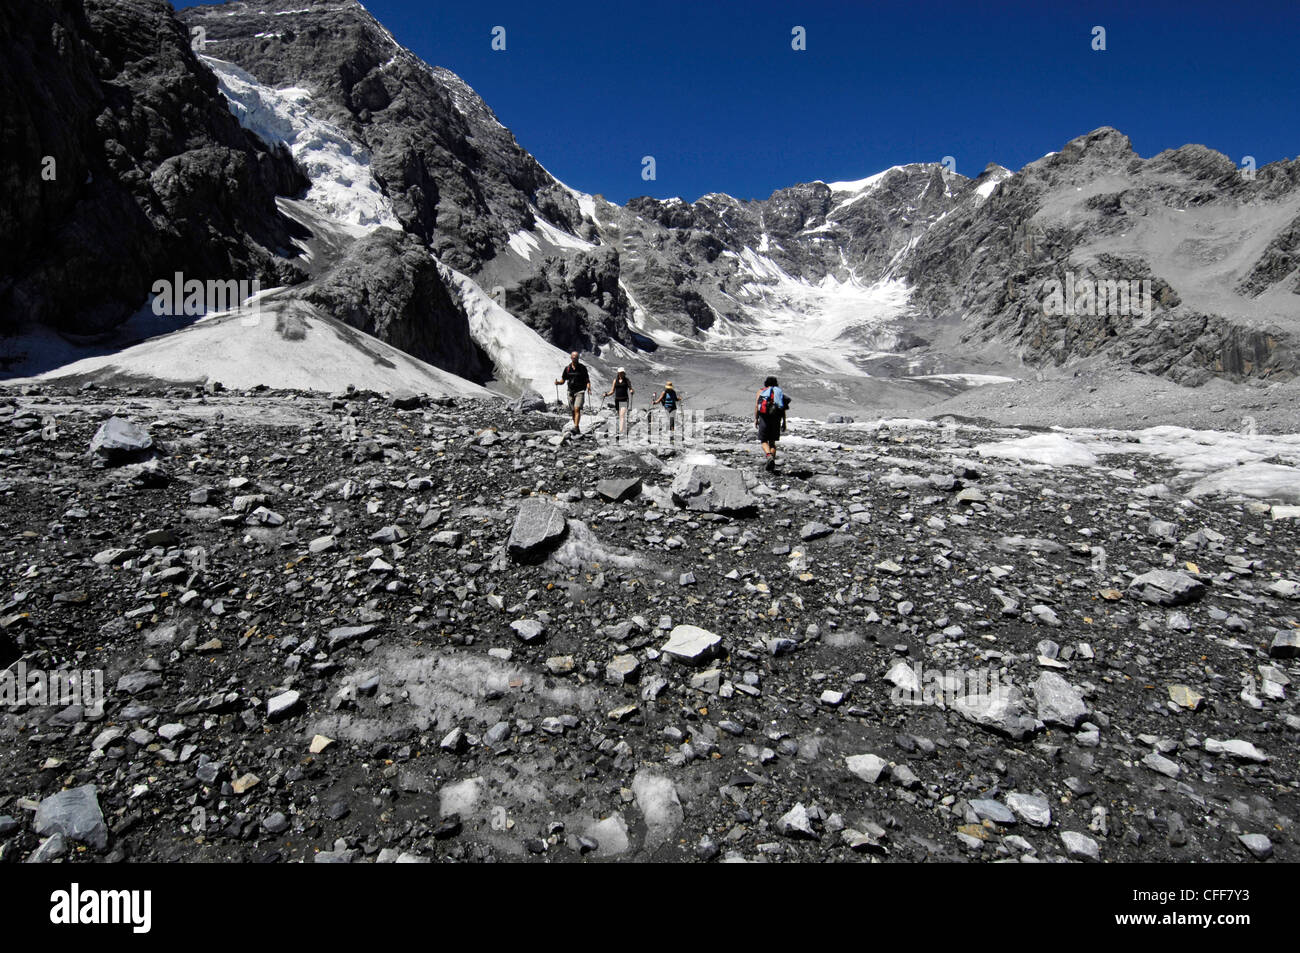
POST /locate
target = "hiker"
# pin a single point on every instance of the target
(622, 391)
(769, 418)
(579, 381)
(670, 401)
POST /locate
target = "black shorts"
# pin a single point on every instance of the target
(769, 429)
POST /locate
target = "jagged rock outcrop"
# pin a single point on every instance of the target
(388, 285)
(122, 166)
(1096, 212)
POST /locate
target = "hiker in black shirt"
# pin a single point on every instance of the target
(579, 381)
(622, 390)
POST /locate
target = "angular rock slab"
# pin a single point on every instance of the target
(1164, 588)
(1059, 702)
(539, 528)
(617, 491)
(1001, 711)
(120, 441)
(692, 645)
(74, 813)
(1286, 644)
(712, 489)
(867, 767)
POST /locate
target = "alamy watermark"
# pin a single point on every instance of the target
(177, 296)
(1117, 297)
(647, 428)
(929, 686)
(31, 687)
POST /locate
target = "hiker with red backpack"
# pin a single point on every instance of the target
(769, 419)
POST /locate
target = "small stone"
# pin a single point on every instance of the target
(995, 811)
(1080, 846)
(1033, 810)
(796, 823)
(528, 630)
(1236, 748)
(539, 527)
(867, 767)
(622, 670)
(623, 712)
(1185, 697)
(1059, 702)
(319, 743)
(1259, 845)
(1162, 765)
(560, 664)
(283, 705)
(1165, 588)
(691, 644)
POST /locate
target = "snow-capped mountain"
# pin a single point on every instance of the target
(382, 192)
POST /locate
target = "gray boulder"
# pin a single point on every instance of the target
(712, 489)
(1285, 644)
(1001, 711)
(74, 813)
(538, 529)
(120, 441)
(1164, 588)
(1059, 702)
(529, 402)
(692, 645)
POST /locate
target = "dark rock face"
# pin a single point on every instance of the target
(455, 175)
(151, 174)
(389, 286)
(576, 303)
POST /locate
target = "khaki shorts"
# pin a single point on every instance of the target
(577, 399)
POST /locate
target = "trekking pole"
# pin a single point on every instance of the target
(557, 395)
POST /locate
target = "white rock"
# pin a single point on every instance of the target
(690, 643)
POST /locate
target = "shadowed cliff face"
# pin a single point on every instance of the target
(122, 165)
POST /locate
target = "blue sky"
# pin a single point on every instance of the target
(713, 90)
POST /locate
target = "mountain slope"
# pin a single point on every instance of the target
(387, 193)
(122, 165)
